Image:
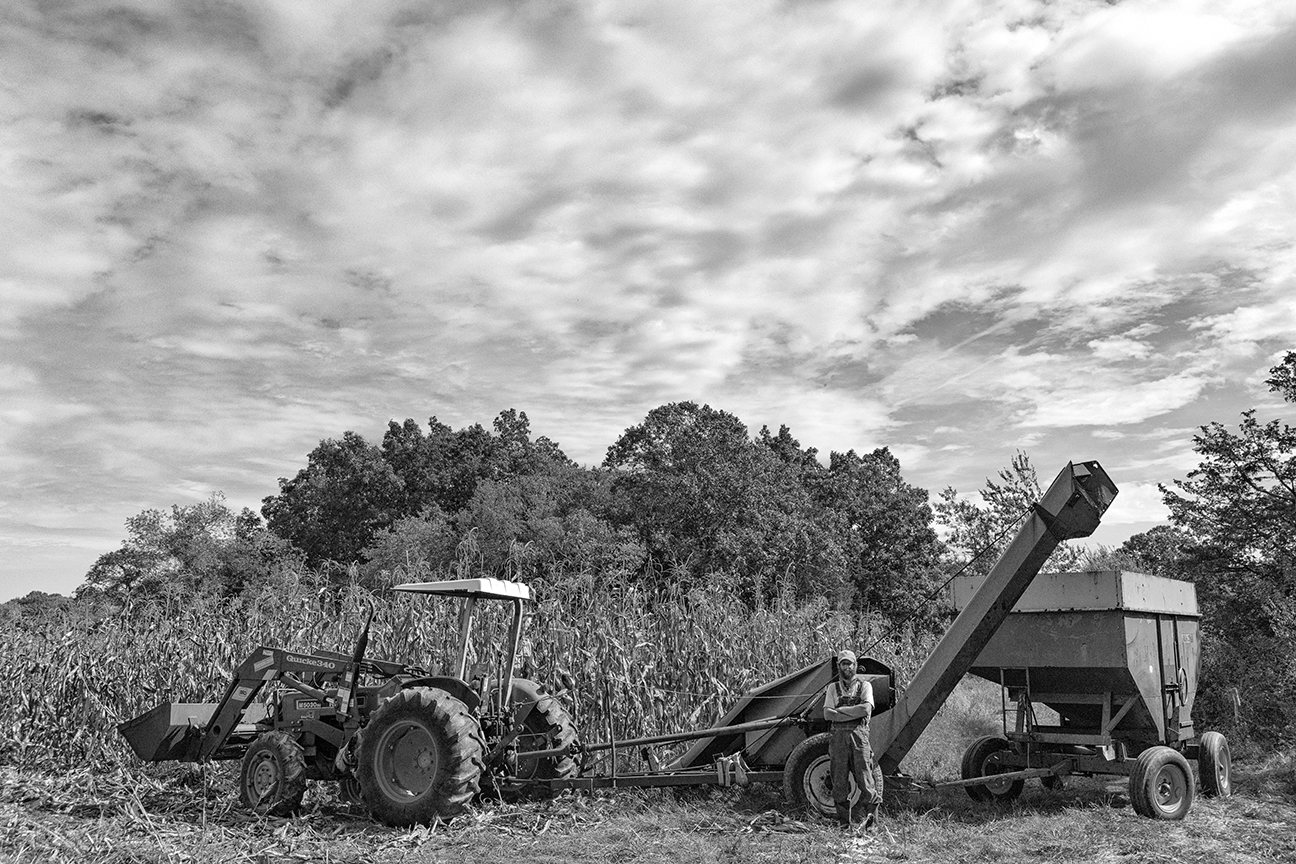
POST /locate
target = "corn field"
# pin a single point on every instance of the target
(630, 664)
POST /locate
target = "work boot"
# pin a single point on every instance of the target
(843, 813)
(870, 816)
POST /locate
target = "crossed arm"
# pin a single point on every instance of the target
(845, 713)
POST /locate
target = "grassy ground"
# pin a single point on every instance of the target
(174, 813)
(170, 815)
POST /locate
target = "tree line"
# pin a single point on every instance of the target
(686, 495)
(689, 496)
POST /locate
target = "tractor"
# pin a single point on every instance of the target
(412, 745)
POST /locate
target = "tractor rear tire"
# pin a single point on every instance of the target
(1161, 784)
(807, 778)
(273, 779)
(420, 758)
(1215, 764)
(975, 764)
(547, 727)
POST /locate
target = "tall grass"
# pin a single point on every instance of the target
(632, 662)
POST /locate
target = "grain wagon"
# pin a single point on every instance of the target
(1114, 657)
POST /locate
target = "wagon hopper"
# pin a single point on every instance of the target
(1115, 656)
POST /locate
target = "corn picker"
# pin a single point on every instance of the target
(1113, 655)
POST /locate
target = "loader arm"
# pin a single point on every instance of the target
(264, 664)
(1071, 508)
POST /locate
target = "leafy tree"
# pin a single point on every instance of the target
(985, 530)
(350, 491)
(425, 465)
(681, 475)
(520, 456)
(591, 546)
(412, 548)
(517, 515)
(1282, 378)
(1239, 509)
(33, 606)
(1159, 551)
(1237, 513)
(203, 547)
(893, 551)
(520, 512)
(443, 467)
(706, 499)
(333, 507)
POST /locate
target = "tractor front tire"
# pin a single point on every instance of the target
(273, 779)
(547, 727)
(1215, 764)
(420, 758)
(1161, 784)
(349, 791)
(976, 764)
(807, 778)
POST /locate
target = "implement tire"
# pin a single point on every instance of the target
(420, 758)
(976, 764)
(807, 778)
(1215, 764)
(273, 779)
(547, 727)
(1161, 784)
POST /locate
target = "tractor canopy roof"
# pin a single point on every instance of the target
(498, 589)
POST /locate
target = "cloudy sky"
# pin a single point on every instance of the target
(957, 228)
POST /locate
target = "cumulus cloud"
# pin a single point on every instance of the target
(238, 228)
(1136, 503)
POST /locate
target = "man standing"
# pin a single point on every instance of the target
(848, 707)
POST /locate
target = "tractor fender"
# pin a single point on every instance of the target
(453, 686)
(524, 694)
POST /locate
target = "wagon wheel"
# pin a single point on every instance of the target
(420, 758)
(1215, 764)
(1161, 784)
(807, 778)
(977, 763)
(273, 779)
(548, 726)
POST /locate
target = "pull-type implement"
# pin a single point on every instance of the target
(416, 746)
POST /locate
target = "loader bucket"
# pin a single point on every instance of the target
(169, 732)
(173, 731)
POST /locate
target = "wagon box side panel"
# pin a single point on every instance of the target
(1142, 636)
(1190, 659)
(1094, 639)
